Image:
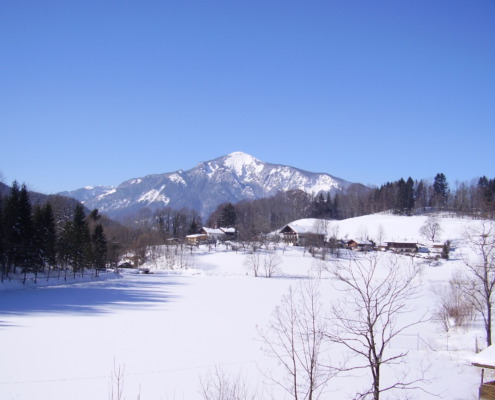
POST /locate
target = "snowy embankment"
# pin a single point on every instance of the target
(167, 330)
(17, 282)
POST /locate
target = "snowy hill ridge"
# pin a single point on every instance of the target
(231, 178)
(383, 227)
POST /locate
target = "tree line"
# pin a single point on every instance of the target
(408, 196)
(402, 197)
(33, 241)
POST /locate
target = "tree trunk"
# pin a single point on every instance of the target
(489, 323)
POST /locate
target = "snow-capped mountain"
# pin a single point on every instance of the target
(234, 177)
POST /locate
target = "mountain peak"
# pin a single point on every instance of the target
(238, 160)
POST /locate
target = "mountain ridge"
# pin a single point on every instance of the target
(231, 178)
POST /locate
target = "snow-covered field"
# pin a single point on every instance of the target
(168, 330)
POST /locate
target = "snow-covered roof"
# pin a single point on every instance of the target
(308, 225)
(228, 230)
(213, 231)
(485, 358)
(362, 242)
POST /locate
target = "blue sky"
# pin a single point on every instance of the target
(98, 92)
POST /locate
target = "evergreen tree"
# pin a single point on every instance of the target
(80, 241)
(335, 212)
(3, 253)
(228, 217)
(328, 205)
(38, 240)
(28, 258)
(94, 215)
(486, 188)
(409, 196)
(400, 196)
(404, 203)
(195, 225)
(65, 248)
(440, 190)
(12, 229)
(318, 206)
(99, 247)
(421, 196)
(45, 236)
(446, 250)
(50, 234)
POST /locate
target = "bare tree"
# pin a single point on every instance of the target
(218, 385)
(253, 262)
(117, 384)
(380, 234)
(454, 308)
(368, 318)
(333, 241)
(431, 229)
(271, 261)
(265, 263)
(295, 338)
(478, 284)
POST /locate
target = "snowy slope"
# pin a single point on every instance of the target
(388, 227)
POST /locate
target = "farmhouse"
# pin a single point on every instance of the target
(300, 235)
(403, 247)
(212, 235)
(196, 238)
(230, 233)
(359, 245)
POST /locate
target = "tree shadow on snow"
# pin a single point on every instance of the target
(88, 298)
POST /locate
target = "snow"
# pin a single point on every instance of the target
(169, 329)
(485, 357)
(107, 193)
(308, 225)
(323, 184)
(388, 227)
(154, 195)
(176, 178)
(212, 168)
(242, 163)
(238, 160)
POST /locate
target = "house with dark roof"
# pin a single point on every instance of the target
(300, 235)
(402, 247)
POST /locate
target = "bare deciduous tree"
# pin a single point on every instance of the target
(117, 384)
(454, 308)
(368, 318)
(431, 229)
(380, 234)
(478, 284)
(295, 338)
(263, 262)
(253, 262)
(271, 261)
(218, 385)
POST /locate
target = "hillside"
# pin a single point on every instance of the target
(388, 227)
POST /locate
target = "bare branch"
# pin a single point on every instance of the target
(369, 316)
(295, 338)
